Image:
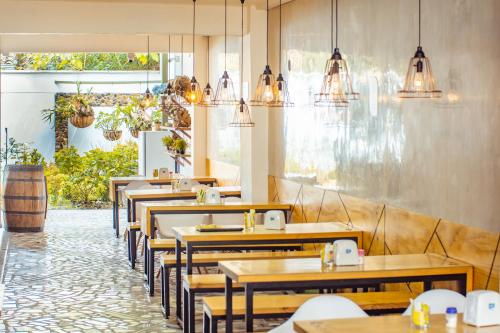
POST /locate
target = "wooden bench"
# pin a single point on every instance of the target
(168, 245)
(195, 283)
(276, 306)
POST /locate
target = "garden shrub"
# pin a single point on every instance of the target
(83, 180)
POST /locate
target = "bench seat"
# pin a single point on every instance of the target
(214, 307)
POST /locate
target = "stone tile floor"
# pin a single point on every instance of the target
(74, 277)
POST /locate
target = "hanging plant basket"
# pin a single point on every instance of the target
(134, 132)
(111, 135)
(80, 121)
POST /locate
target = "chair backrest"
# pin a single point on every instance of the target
(136, 185)
(165, 223)
(438, 300)
(227, 219)
(321, 308)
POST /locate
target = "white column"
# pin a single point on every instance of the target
(254, 142)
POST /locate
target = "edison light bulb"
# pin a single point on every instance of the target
(418, 81)
(207, 96)
(268, 93)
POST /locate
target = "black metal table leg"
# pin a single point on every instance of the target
(117, 213)
(151, 272)
(186, 313)
(189, 259)
(129, 212)
(145, 249)
(249, 307)
(178, 282)
(132, 247)
(133, 218)
(229, 305)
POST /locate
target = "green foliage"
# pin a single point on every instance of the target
(157, 116)
(67, 107)
(110, 121)
(21, 153)
(168, 142)
(134, 114)
(87, 61)
(180, 146)
(83, 180)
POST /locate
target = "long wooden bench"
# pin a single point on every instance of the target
(168, 263)
(276, 306)
(168, 245)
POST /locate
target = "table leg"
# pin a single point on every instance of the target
(145, 249)
(134, 216)
(189, 259)
(151, 272)
(129, 212)
(116, 217)
(132, 250)
(178, 282)
(229, 305)
(186, 313)
(462, 285)
(249, 307)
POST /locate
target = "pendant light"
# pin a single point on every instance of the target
(207, 98)
(179, 92)
(242, 116)
(336, 89)
(224, 94)
(194, 92)
(148, 96)
(280, 88)
(419, 82)
(264, 94)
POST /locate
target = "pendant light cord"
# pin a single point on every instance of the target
(194, 25)
(225, 35)
(267, 32)
(336, 22)
(208, 59)
(168, 60)
(147, 71)
(242, 53)
(279, 61)
(419, 21)
(182, 54)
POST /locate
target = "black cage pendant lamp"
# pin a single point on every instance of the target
(264, 93)
(280, 89)
(336, 89)
(148, 96)
(419, 81)
(242, 116)
(207, 98)
(224, 95)
(194, 93)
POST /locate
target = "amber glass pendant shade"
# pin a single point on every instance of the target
(147, 99)
(194, 94)
(224, 94)
(242, 116)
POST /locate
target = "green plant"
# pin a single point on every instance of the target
(110, 121)
(83, 180)
(180, 146)
(21, 153)
(67, 107)
(168, 142)
(134, 114)
(157, 116)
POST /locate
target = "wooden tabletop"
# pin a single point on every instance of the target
(255, 271)
(386, 324)
(176, 207)
(114, 181)
(295, 231)
(161, 193)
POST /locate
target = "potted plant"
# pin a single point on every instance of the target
(25, 188)
(110, 123)
(76, 108)
(168, 142)
(156, 118)
(180, 146)
(135, 117)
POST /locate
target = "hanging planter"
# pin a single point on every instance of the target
(76, 108)
(134, 132)
(112, 135)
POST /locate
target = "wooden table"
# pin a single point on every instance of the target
(293, 233)
(116, 182)
(386, 324)
(162, 194)
(154, 209)
(289, 274)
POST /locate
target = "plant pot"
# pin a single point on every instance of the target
(25, 198)
(112, 135)
(81, 121)
(156, 127)
(134, 132)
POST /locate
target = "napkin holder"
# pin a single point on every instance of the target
(345, 252)
(482, 308)
(212, 197)
(274, 220)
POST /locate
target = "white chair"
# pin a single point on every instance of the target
(165, 223)
(321, 308)
(438, 300)
(135, 185)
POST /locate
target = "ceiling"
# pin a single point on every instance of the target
(256, 3)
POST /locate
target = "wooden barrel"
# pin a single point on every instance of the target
(25, 198)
